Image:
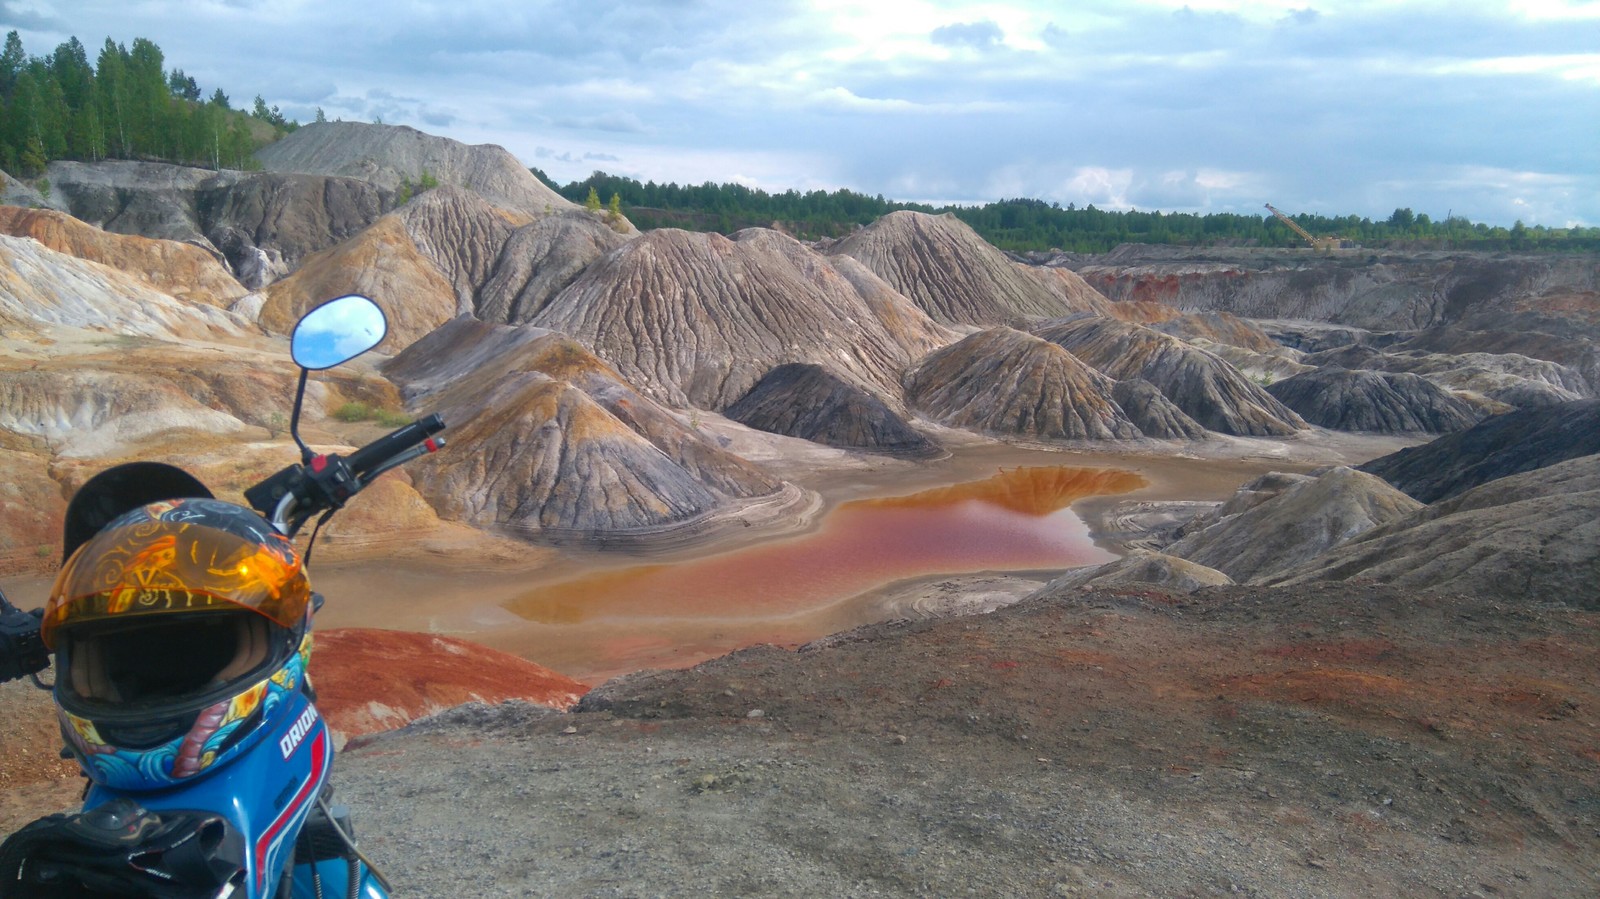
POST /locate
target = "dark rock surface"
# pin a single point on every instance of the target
(262, 224)
(1205, 387)
(807, 401)
(1384, 402)
(1374, 290)
(957, 278)
(1150, 410)
(697, 319)
(1503, 445)
(538, 261)
(1003, 381)
(266, 224)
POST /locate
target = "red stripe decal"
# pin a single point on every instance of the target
(319, 763)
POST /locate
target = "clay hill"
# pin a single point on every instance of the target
(1399, 403)
(698, 319)
(564, 449)
(957, 278)
(1004, 381)
(812, 403)
(1498, 447)
(386, 155)
(1206, 388)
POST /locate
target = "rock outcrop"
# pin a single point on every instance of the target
(32, 507)
(1004, 381)
(562, 448)
(699, 318)
(540, 260)
(1207, 389)
(957, 278)
(18, 193)
(1300, 522)
(261, 224)
(1527, 538)
(1345, 400)
(1497, 447)
(266, 224)
(807, 401)
(386, 155)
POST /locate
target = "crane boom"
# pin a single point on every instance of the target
(1293, 225)
(1316, 243)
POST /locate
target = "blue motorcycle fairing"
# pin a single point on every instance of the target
(266, 793)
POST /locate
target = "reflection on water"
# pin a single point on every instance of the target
(791, 590)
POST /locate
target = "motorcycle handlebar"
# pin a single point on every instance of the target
(22, 652)
(379, 451)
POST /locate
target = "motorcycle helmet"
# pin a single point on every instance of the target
(180, 632)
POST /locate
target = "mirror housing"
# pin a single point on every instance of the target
(336, 332)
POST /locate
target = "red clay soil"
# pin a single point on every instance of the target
(367, 680)
(370, 680)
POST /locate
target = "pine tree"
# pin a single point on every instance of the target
(592, 203)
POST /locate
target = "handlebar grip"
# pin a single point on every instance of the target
(378, 451)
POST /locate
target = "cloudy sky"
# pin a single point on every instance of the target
(1489, 110)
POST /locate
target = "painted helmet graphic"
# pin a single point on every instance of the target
(180, 632)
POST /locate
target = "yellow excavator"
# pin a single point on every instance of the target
(1316, 243)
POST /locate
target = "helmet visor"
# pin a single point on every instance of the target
(154, 567)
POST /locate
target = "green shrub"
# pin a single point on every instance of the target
(354, 412)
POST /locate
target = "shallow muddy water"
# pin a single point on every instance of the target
(800, 588)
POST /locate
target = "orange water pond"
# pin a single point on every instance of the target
(792, 590)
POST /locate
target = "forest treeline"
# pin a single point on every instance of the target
(1023, 225)
(126, 105)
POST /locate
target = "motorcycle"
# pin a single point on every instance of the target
(181, 629)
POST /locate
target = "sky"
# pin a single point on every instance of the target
(1488, 110)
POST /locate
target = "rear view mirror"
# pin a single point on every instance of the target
(336, 332)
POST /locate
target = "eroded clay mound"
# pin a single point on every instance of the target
(177, 269)
(40, 286)
(371, 680)
(1004, 381)
(1150, 410)
(539, 261)
(957, 278)
(1139, 568)
(1206, 388)
(812, 403)
(381, 262)
(699, 318)
(1528, 538)
(561, 448)
(1303, 520)
(1388, 403)
(1496, 447)
(386, 154)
